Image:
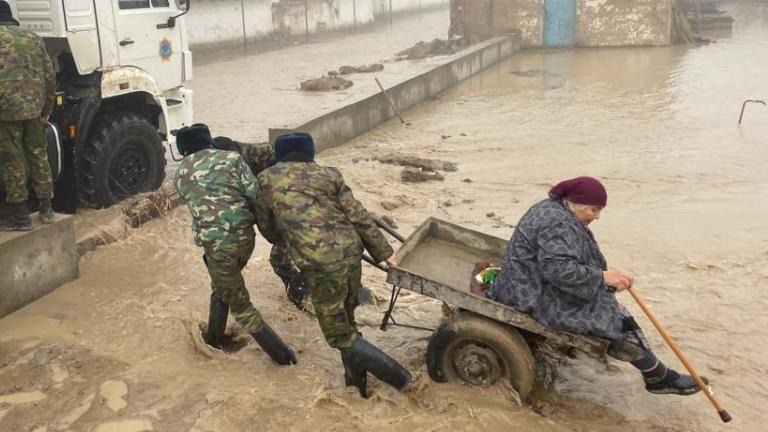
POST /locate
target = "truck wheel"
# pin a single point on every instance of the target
(124, 156)
(481, 352)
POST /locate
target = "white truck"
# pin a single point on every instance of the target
(121, 67)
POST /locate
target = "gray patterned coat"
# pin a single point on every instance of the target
(553, 270)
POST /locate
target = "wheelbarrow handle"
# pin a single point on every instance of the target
(383, 225)
(379, 266)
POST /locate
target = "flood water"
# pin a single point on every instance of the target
(687, 201)
(111, 351)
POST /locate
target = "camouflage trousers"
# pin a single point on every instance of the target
(23, 149)
(225, 262)
(334, 296)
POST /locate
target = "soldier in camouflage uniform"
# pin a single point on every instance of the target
(221, 192)
(27, 88)
(326, 229)
(260, 157)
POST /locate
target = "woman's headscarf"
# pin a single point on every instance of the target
(581, 190)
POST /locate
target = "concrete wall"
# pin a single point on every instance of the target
(341, 125)
(598, 22)
(228, 22)
(35, 263)
(623, 22)
(482, 19)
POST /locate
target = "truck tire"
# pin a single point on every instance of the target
(124, 156)
(481, 352)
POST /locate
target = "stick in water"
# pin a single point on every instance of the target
(389, 99)
(724, 416)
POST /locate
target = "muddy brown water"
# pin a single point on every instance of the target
(111, 352)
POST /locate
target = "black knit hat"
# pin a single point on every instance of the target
(191, 139)
(296, 146)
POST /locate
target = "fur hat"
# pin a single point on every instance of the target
(295, 147)
(191, 139)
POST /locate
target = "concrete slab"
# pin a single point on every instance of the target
(35, 263)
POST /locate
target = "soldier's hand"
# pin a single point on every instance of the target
(45, 118)
(392, 261)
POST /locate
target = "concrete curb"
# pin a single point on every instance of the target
(351, 120)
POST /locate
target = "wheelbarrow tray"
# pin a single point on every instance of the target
(437, 261)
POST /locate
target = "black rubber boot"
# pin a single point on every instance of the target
(666, 381)
(356, 378)
(46, 211)
(217, 322)
(18, 220)
(271, 343)
(363, 357)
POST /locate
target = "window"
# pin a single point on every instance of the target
(143, 4)
(133, 4)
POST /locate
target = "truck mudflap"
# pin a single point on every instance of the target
(74, 122)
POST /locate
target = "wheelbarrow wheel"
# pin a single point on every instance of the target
(481, 352)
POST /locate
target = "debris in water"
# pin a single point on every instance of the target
(700, 266)
(528, 73)
(435, 48)
(375, 67)
(417, 175)
(389, 221)
(467, 180)
(417, 162)
(326, 83)
(389, 205)
(490, 214)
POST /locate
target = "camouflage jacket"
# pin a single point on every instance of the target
(27, 77)
(221, 192)
(314, 212)
(258, 156)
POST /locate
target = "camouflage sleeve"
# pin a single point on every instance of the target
(369, 233)
(50, 81)
(265, 219)
(248, 183)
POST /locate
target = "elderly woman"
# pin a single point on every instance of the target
(555, 271)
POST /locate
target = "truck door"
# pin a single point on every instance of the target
(146, 41)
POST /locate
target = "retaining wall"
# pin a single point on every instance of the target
(35, 263)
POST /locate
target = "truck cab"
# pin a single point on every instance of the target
(121, 68)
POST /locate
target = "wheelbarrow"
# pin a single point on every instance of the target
(481, 342)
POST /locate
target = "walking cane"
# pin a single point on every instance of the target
(724, 416)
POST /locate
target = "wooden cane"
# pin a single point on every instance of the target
(724, 416)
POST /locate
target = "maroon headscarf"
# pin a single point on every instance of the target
(581, 190)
